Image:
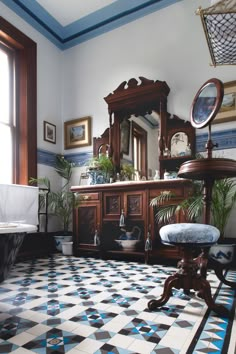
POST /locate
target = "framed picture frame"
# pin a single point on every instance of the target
(77, 133)
(227, 111)
(49, 132)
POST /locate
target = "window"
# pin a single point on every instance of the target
(18, 133)
(7, 123)
(139, 143)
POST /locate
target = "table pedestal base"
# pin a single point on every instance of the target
(189, 277)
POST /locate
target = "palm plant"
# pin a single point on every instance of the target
(62, 202)
(223, 201)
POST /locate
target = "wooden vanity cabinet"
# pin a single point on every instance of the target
(101, 207)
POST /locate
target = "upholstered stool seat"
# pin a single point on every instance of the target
(187, 237)
(198, 235)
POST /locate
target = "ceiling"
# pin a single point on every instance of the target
(67, 23)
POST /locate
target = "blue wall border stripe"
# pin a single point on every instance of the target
(226, 139)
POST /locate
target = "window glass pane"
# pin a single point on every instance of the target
(4, 87)
(6, 155)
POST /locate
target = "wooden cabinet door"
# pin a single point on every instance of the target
(87, 219)
(112, 205)
(134, 204)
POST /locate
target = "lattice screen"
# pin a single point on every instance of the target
(219, 23)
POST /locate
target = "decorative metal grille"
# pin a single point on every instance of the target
(219, 24)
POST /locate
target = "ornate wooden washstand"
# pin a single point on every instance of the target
(101, 205)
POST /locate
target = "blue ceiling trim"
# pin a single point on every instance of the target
(90, 26)
(42, 22)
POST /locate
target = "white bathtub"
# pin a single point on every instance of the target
(18, 215)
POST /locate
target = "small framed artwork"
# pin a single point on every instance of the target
(49, 132)
(77, 133)
(227, 111)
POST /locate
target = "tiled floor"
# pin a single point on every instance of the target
(85, 305)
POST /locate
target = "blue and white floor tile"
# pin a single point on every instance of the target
(90, 306)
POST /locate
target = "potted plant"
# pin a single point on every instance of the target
(223, 202)
(100, 169)
(127, 172)
(62, 202)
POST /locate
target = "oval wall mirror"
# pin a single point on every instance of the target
(207, 103)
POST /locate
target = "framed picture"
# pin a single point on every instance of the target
(77, 133)
(227, 111)
(49, 132)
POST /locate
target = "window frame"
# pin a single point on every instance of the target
(25, 165)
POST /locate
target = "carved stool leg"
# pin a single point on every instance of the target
(187, 278)
(205, 292)
(171, 282)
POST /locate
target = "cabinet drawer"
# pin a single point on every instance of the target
(178, 192)
(89, 196)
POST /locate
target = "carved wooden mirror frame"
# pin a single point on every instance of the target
(133, 98)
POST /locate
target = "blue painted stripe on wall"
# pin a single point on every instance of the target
(45, 157)
(90, 26)
(226, 139)
(80, 159)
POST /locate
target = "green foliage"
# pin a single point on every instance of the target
(223, 201)
(127, 171)
(63, 168)
(103, 163)
(62, 202)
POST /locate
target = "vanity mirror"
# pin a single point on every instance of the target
(207, 103)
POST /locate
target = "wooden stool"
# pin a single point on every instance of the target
(187, 237)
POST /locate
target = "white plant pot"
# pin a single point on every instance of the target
(223, 253)
(67, 248)
(60, 239)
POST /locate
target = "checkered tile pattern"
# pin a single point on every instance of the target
(83, 305)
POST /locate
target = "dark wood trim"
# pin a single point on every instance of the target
(26, 100)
